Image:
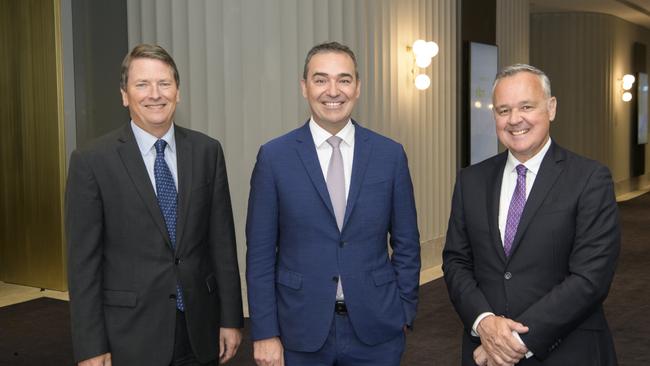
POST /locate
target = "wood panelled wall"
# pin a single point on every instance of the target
(585, 55)
(513, 31)
(31, 144)
(241, 61)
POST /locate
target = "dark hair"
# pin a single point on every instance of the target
(151, 51)
(330, 47)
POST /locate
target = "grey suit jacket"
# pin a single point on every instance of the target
(121, 268)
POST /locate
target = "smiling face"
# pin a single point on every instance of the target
(151, 95)
(523, 114)
(331, 89)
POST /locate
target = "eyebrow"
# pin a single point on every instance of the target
(324, 74)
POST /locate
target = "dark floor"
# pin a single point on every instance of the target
(37, 332)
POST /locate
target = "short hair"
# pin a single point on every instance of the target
(330, 47)
(517, 68)
(144, 50)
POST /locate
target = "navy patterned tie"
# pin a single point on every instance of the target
(167, 200)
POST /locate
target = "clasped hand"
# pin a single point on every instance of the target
(499, 346)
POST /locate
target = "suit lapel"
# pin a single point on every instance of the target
(307, 152)
(493, 200)
(548, 173)
(184, 164)
(132, 160)
(362, 148)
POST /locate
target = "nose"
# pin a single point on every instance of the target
(515, 116)
(154, 92)
(332, 89)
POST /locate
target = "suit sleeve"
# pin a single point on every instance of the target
(458, 264)
(405, 239)
(84, 224)
(591, 268)
(224, 248)
(262, 236)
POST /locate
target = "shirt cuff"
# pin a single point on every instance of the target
(529, 354)
(478, 320)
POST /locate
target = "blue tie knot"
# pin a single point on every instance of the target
(160, 146)
(521, 170)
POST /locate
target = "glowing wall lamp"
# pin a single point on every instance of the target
(628, 82)
(423, 52)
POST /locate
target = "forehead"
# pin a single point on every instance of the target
(149, 67)
(332, 63)
(520, 86)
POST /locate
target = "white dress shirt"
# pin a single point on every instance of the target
(324, 149)
(508, 184)
(146, 143)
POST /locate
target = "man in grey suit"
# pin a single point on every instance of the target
(152, 260)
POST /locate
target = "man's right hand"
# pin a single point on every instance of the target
(101, 360)
(268, 352)
(499, 343)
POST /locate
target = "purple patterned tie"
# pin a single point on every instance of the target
(516, 208)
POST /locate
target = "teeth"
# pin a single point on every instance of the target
(520, 132)
(333, 104)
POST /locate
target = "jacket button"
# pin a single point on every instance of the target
(341, 244)
(507, 275)
(177, 261)
(172, 296)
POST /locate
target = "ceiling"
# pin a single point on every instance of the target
(635, 11)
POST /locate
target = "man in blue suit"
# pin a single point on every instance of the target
(323, 288)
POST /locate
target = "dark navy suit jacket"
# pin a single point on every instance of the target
(296, 251)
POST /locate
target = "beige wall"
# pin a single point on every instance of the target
(240, 65)
(585, 55)
(31, 144)
(513, 31)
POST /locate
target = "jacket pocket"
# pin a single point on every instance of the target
(127, 299)
(289, 279)
(383, 276)
(211, 283)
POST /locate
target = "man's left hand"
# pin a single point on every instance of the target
(229, 340)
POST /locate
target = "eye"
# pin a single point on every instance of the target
(319, 81)
(140, 85)
(502, 111)
(346, 81)
(165, 84)
(527, 108)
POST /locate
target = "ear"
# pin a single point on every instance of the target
(552, 107)
(303, 86)
(358, 91)
(125, 98)
(178, 95)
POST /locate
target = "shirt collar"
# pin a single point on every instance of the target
(320, 135)
(531, 164)
(146, 140)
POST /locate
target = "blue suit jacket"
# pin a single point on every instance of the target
(296, 251)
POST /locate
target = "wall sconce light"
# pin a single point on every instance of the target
(423, 52)
(627, 83)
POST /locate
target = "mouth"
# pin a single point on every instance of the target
(332, 105)
(519, 132)
(155, 106)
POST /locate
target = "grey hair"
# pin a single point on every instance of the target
(517, 68)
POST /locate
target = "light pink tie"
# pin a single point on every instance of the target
(336, 189)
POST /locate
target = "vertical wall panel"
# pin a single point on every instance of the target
(513, 31)
(31, 144)
(575, 50)
(243, 76)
